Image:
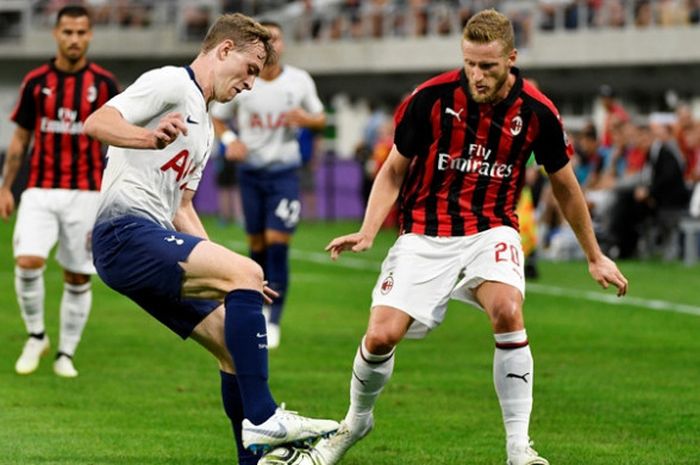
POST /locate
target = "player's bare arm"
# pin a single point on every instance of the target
(109, 127)
(301, 118)
(573, 205)
(384, 193)
(186, 218)
(13, 161)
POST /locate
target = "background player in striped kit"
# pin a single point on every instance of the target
(457, 167)
(61, 198)
(267, 118)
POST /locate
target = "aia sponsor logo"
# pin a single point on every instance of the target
(387, 284)
(182, 165)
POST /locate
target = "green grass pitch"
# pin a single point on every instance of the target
(615, 383)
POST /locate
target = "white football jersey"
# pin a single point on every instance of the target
(150, 183)
(260, 116)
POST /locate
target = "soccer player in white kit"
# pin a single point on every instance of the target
(267, 119)
(148, 241)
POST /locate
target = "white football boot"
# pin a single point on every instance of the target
(63, 367)
(284, 427)
(332, 449)
(525, 455)
(288, 455)
(33, 350)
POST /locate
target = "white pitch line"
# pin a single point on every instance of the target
(651, 304)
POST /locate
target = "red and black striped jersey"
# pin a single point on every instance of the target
(54, 105)
(468, 159)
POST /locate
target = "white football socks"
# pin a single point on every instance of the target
(513, 378)
(370, 373)
(75, 309)
(29, 286)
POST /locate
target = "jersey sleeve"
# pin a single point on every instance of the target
(152, 94)
(412, 135)
(311, 102)
(552, 148)
(24, 113)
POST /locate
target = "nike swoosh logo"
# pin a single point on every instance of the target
(260, 335)
(279, 432)
(190, 120)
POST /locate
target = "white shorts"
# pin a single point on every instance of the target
(422, 273)
(47, 216)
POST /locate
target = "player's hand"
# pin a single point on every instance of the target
(605, 272)
(236, 151)
(7, 203)
(296, 117)
(169, 127)
(356, 242)
(269, 294)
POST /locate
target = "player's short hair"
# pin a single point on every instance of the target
(270, 23)
(489, 25)
(242, 30)
(73, 11)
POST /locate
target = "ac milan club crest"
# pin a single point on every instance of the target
(516, 125)
(387, 285)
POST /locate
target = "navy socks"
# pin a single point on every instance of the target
(246, 339)
(233, 406)
(278, 276)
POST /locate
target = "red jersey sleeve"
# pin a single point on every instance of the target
(412, 135)
(24, 113)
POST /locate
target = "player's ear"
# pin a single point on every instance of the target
(512, 56)
(225, 48)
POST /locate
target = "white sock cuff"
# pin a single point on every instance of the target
(77, 288)
(511, 340)
(29, 273)
(369, 357)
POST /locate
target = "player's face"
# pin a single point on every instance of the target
(73, 35)
(487, 67)
(237, 70)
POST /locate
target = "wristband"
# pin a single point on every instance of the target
(227, 137)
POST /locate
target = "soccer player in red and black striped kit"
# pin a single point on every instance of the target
(60, 202)
(462, 142)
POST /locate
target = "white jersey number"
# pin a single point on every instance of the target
(288, 211)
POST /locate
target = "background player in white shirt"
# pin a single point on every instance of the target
(267, 119)
(148, 241)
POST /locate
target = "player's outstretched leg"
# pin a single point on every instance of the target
(265, 425)
(233, 406)
(370, 373)
(513, 373)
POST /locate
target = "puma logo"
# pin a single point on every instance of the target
(456, 114)
(513, 375)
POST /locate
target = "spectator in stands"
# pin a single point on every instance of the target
(660, 189)
(614, 113)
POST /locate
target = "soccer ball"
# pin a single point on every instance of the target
(290, 455)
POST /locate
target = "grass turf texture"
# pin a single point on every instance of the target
(615, 384)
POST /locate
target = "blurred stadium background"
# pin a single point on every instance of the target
(618, 383)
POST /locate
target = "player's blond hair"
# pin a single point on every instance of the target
(489, 25)
(242, 30)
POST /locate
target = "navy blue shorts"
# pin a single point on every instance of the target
(270, 200)
(140, 259)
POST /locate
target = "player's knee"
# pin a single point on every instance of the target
(380, 341)
(506, 314)
(247, 275)
(30, 263)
